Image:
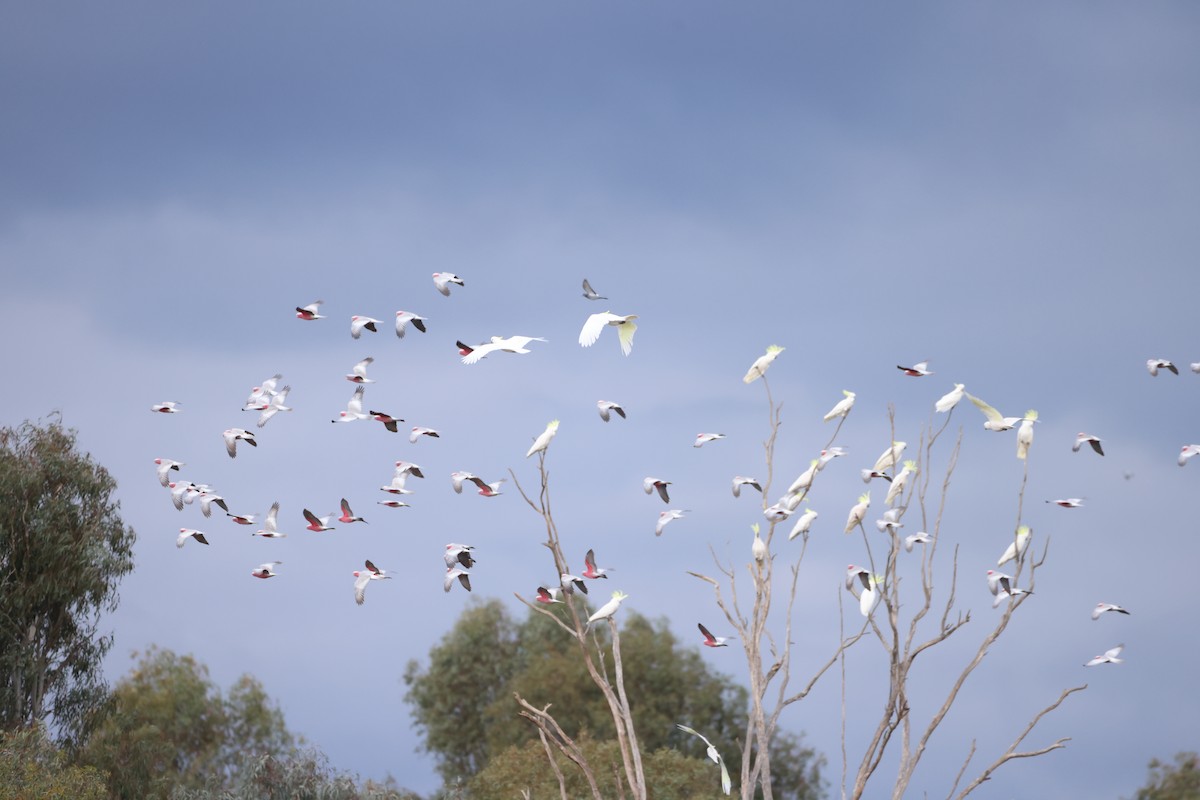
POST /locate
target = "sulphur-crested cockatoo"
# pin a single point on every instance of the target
(995, 420)
(890, 457)
(596, 323)
(1025, 433)
(759, 548)
(843, 406)
(608, 609)
(803, 523)
(949, 400)
(543, 441)
(726, 784)
(760, 365)
(898, 482)
(858, 512)
(1017, 547)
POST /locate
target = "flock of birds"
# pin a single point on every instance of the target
(270, 399)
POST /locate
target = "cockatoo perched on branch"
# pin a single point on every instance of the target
(858, 512)
(898, 482)
(843, 406)
(1018, 546)
(608, 609)
(949, 400)
(890, 457)
(543, 441)
(760, 365)
(1025, 433)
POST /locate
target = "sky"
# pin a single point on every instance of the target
(1007, 192)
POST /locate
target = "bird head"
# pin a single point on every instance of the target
(910, 465)
(774, 349)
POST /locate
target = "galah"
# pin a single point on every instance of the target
(461, 574)
(388, 420)
(843, 406)
(651, 484)
(358, 373)
(364, 576)
(591, 571)
(348, 515)
(1187, 451)
(393, 504)
(277, 403)
(917, 370)
(165, 465)
(550, 595)
(233, 436)
(889, 457)
(358, 324)
(457, 478)
(919, 537)
(741, 480)
(1110, 657)
(868, 474)
(309, 312)
(995, 420)
(270, 528)
(488, 489)
(464, 350)
(759, 548)
(704, 438)
(726, 784)
(459, 555)
(266, 570)
(208, 499)
(777, 513)
(543, 440)
(407, 467)
(316, 523)
(1155, 364)
(858, 512)
(405, 317)
(1103, 607)
(354, 408)
(189, 533)
(666, 517)
(442, 281)
(1018, 546)
(570, 583)
(900, 481)
(1025, 433)
(891, 520)
(1087, 438)
(242, 519)
(803, 523)
(418, 432)
(596, 323)
(608, 609)
(590, 293)
(606, 406)
(710, 640)
(762, 363)
(1068, 502)
(168, 407)
(805, 480)
(949, 400)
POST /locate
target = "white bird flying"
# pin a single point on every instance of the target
(806, 478)
(590, 570)
(1155, 364)
(917, 370)
(189, 533)
(1086, 438)
(710, 640)
(179, 490)
(949, 400)
(455, 572)
(741, 480)
(762, 363)
(270, 528)
(919, 537)
(393, 504)
(262, 394)
(596, 323)
(276, 405)
(442, 281)
(354, 408)
(869, 599)
(358, 324)
(666, 517)
(1186, 453)
(418, 432)
(843, 406)
(891, 520)
(1018, 546)
(309, 312)
(457, 478)
(590, 293)
(358, 374)
(704, 438)
(605, 406)
(608, 609)
(778, 512)
(1103, 607)
(1110, 657)
(857, 579)
(829, 455)
(405, 317)
(726, 784)
(233, 435)
(1195, 365)
(208, 499)
(459, 555)
(347, 515)
(995, 420)
(168, 407)
(868, 474)
(511, 344)
(407, 467)
(1068, 502)
(803, 523)
(651, 484)
(364, 576)
(1025, 433)
(399, 479)
(900, 481)
(890, 457)
(543, 440)
(165, 465)
(266, 570)
(571, 583)
(316, 523)
(858, 512)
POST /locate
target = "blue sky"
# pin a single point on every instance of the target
(1009, 192)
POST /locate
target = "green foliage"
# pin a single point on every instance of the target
(166, 725)
(1178, 781)
(464, 702)
(33, 768)
(63, 550)
(302, 775)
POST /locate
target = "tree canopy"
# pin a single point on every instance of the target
(1178, 781)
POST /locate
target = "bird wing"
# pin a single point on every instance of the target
(705, 633)
(360, 587)
(992, 414)
(625, 333)
(312, 518)
(593, 326)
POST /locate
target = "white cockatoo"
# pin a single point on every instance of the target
(843, 406)
(1110, 657)
(802, 483)
(891, 520)
(165, 465)
(1086, 438)
(1103, 607)
(919, 537)
(309, 312)
(666, 517)
(870, 596)
(543, 440)
(650, 484)
(858, 512)
(741, 480)
(704, 438)
(359, 323)
(1025, 433)
(605, 406)
(277, 403)
(726, 783)
(364, 576)
(596, 323)
(1187, 451)
(270, 528)
(759, 548)
(608, 609)
(235, 435)
(189, 533)
(1018, 546)
(442, 281)
(890, 457)
(762, 363)
(896, 490)
(949, 400)
(778, 512)
(405, 317)
(354, 408)
(995, 420)
(1155, 364)
(803, 523)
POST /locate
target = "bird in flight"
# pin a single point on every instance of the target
(596, 323)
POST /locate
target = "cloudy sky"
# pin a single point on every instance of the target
(1008, 192)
